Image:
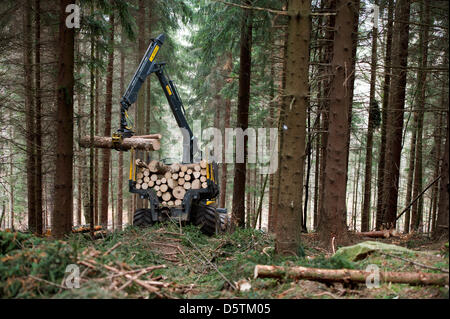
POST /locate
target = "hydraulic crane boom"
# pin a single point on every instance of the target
(148, 66)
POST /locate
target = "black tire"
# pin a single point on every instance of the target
(211, 222)
(142, 218)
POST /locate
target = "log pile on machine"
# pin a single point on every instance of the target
(170, 182)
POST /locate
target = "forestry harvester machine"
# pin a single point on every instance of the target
(198, 206)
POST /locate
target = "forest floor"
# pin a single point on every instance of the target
(191, 265)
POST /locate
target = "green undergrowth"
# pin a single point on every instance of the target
(196, 266)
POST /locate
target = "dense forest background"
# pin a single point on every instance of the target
(363, 85)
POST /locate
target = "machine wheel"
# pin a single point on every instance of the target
(142, 218)
(209, 219)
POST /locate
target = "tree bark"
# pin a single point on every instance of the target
(325, 103)
(127, 143)
(293, 135)
(384, 110)
(140, 105)
(395, 116)
(29, 119)
(280, 43)
(92, 155)
(120, 165)
(106, 158)
(39, 213)
(409, 181)
(417, 209)
(334, 188)
(349, 275)
(441, 229)
(97, 132)
(238, 208)
(62, 213)
(365, 214)
(224, 176)
(437, 154)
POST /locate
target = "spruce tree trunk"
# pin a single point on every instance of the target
(63, 210)
(351, 77)
(140, 105)
(92, 154)
(325, 107)
(441, 229)
(120, 165)
(332, 222)
(384, 110)
(316, 176)
(106, 158)
(417, 208)
(37, 52)
(409, 181)
(11, 172)
(365, 214)
(97, 130)
(238, 210)
(437, 154)
(148, 88)
(395, 116)
(280, 44)
(293, 134)
(29, 118)
(223, 177)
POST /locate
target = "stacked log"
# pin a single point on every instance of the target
(170, 182)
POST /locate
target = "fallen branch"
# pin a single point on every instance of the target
(349, 275)
(415, 263)
(112, 248)
(144, 144)
(417, 197)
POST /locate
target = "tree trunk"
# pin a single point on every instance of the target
(351, 78)
(384, 110)
(223, 178)
(417, 209)
(280, 43)
(365, 214)
(37, 9)
(148, 85)
(63, 214)
(308, 172)
(409, 181)
(441, 229)
(120, 165)
(316, 176)
(92, 155)
(349, 275)
(356, 188)
(395, 116)
(11, 172)
(437, 154)
(29, 119)
(97, 131)
(325, 103)
(334, 188)
(106, 158)
(81, 167)
(293, 135)
(140, 105)
(238, 210)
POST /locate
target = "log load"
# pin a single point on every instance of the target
(144, 144)
(170, 182)
(349, 275)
